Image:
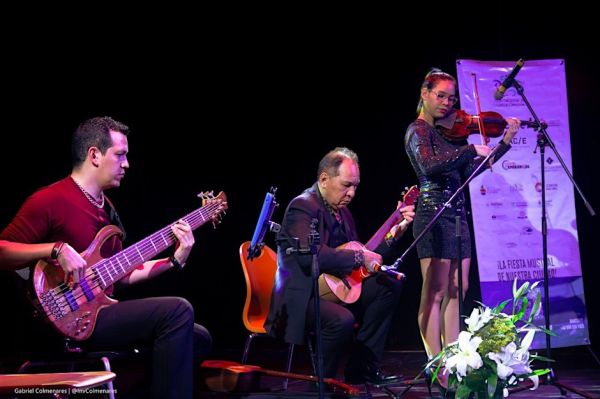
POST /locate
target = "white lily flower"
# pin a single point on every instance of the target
(527, 339)
(475, 321)
(536, 382)
(512, 361)
(466, 356)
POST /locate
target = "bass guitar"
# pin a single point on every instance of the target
(73, 308)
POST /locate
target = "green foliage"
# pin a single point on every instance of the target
(492, 355)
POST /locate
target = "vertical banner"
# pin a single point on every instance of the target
(506, 202)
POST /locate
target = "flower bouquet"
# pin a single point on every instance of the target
(493, 354)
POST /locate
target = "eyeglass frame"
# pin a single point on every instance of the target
(452, 99)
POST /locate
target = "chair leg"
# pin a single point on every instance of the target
(109, 385)
(24, 367)
(313, 356)
(289, 365)
(247, 347)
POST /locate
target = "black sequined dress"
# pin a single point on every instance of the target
(441, 166)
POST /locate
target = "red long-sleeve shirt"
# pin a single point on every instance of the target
(60, 212)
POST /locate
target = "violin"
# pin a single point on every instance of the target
(458, 124)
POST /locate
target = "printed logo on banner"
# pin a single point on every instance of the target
(552, 165)
(527, 230)
(484, 190)
(515, 188)
(522, 142)
(519, 141)
(549, 186)
(538, 186)
(506, 165)
(519, 204)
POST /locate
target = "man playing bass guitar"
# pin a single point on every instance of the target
(58, 223)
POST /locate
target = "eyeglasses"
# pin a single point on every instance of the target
(443, 96)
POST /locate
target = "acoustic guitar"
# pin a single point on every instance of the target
(226, 376)
(347, 289)
(73, 308)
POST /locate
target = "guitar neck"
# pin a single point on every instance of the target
(379, 235)
(349, 389)
(112, 269)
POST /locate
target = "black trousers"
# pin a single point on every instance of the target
(373, 312)
(164, 324)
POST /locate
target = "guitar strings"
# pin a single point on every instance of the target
(100, 269)
(100, 273)
(141, 245)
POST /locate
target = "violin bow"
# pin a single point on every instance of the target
(484, 138)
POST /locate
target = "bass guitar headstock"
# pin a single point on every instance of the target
(219, 204)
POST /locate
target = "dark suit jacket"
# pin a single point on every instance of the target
(293, 282)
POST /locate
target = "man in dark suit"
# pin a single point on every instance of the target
(292, 308)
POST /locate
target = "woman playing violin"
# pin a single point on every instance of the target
(441, 165)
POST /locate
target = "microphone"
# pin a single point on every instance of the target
(390, 272)
(508, 81)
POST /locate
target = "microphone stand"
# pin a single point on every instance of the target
(459, 262)
(543, 140)
(313, 243)
(435, 218)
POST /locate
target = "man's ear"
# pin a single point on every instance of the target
(323, 178)
(94, 155)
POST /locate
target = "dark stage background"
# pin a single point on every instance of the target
(244, 107)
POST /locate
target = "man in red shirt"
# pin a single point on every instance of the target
(61, 220)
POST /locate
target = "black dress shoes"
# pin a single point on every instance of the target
(370, 374)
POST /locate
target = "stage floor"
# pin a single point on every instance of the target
(574, 367)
